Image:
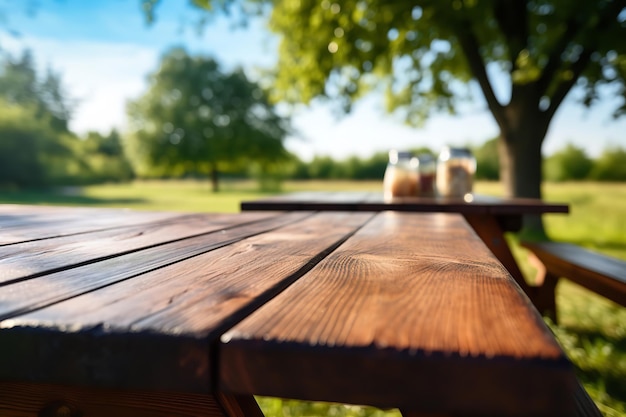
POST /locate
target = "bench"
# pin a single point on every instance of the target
(599, 273)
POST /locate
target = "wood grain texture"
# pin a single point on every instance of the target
(27, 295)
(22, 223)
(45, 400)
(23, 260)
(412, 312)
(492, 235)
(168, 316)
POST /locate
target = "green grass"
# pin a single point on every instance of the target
(592, 330)
(186, 196)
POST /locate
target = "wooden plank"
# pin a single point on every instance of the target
(181, 308)
(46, 400)
(26, 295)
(582, 260)
(437, 318)
(23, 260)
(597, 272)
(26, 223)
(341, 201)
(361, 202)
(327, 201)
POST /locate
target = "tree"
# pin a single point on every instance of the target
(31, 153)
(35, 144)
(610, 166)
(20, 84)
(425, 51)
(104, 158)
(196, 119)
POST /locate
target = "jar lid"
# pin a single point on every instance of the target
(395, 156)
(451, 151)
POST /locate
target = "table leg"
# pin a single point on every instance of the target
(489, 230)
(46, 400)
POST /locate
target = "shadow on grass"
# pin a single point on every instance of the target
(61, 196)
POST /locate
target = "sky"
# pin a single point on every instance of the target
(104, 50)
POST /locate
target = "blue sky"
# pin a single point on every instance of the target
(104, 49)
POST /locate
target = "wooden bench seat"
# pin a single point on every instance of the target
(599, 273)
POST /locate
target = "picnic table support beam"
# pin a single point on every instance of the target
(19, 399)
(492, 234)
(545, 289)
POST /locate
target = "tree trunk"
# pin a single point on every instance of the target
(519, 149)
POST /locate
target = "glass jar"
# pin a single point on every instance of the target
(455, 172)
(401, 176)
(427, 168)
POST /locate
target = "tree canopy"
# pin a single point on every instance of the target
(425, 52)
(197, 119)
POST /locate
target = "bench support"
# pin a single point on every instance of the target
(601, 274)
(544, 291)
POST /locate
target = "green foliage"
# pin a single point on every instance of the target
(31, 153)
(487, 165)
(425, 52)
(36, 147)
(570, 163)
(354, 168)
(610, 166)
(104, 159)
(371, 168)
(20, 84)
(195, 119)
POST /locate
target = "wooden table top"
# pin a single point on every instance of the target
(373, 201)
(331, 306)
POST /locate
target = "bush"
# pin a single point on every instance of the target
(571, 163)
(610, 166)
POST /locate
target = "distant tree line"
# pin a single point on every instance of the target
(37, 148)
(571, 163)
(568, 164)
(197, 121)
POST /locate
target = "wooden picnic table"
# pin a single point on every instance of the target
(490, 217)
(115, 312)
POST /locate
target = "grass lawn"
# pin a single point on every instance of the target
(592, 330)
